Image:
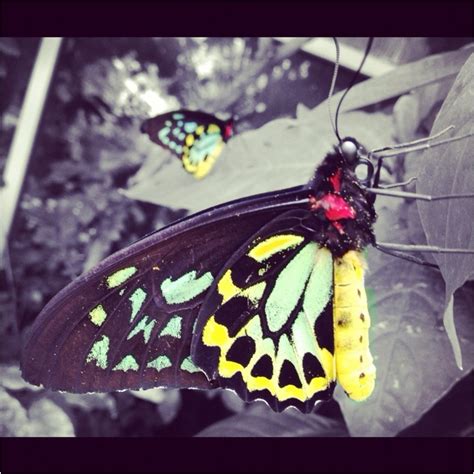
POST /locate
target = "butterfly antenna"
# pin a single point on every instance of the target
(354, 78)
(331, 89)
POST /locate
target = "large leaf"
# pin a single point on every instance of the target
(411, 350)
(261, 421)
(411, 109)
(11, 379)
(46, 418)
(403, 79)
(13, 417)
(446, 170)
(87, 402)
(167, 401)
(281, 154)
(43, 418)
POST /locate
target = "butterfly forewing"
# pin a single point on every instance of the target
(129, 322)
(265, 329)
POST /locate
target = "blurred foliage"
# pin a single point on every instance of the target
(74, 211)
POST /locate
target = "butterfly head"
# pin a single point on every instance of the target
(354, 156)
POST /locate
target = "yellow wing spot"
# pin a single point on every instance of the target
(189, 140)
(260, 383)
(98, 315)
(328, 363)
(199, 130)
(254, 293)
(228, 368)
(226, 287)
(215, 334)
(264, 250)
(355, 370)
(290, 391)
(216, 151)
(204, 167)
(317, 385)
(213, 128)
(188, 166)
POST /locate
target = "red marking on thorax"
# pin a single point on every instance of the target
(335, 207)
(335, 180)
(228, 130)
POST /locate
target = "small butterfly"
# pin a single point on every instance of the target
(196, 138)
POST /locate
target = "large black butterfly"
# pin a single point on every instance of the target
(264, 295)
(196, 138)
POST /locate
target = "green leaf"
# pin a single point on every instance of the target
(170, 407)
(232, 401)
(13, 417)
(448, 169)
(10, 378)
(411, 109)
(168, 401)
(46, 418)
(260, 421)
(89, 401)
(153, 395)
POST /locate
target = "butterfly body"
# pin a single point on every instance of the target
(297, 286)
(263, 296)
(196, 138)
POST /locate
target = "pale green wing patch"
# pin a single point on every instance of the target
(185, 288)
(173, 327)
(120, 276)
(99, 352)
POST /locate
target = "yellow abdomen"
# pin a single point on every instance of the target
(355, 370)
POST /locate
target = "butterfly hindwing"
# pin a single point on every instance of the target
(265, 328)
(128, 323)
(196, 138)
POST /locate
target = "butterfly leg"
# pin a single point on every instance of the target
(420, 248)
(408, 257)
(419, 196)
(403, 148)
(398, 185)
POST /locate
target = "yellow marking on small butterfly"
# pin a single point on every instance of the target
(213, 128)
(199, 130)
(204, 167)
(355, 370)
(264, 250)
(189, 139)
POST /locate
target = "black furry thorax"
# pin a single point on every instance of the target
(342, 210)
